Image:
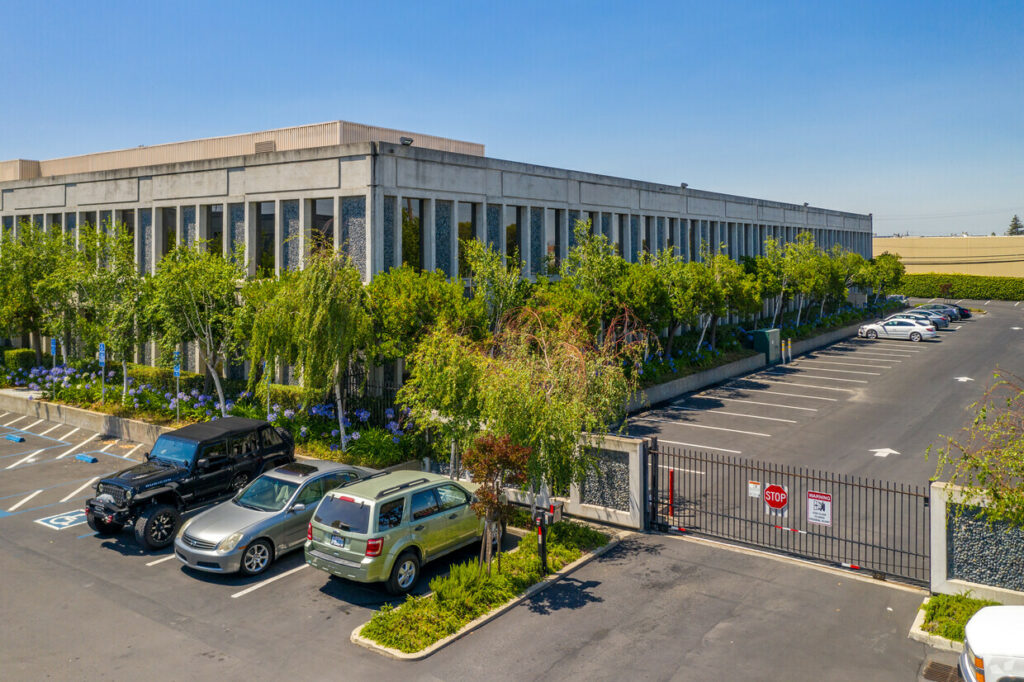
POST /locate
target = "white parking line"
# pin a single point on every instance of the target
(880, 345)
(701, 426)
(694, 445)
(843, 364)
(24, 500)
(864, 359)
(128, 456)
(756, 402)
(69, 434)
(25, 459)
(32, 424)
(688, 471)
(788, 395)
(8, 424)
(55, 426)
(4, 415)
(868, 355)
(840, 371)
(75, 447)
(815, 376)
(78, 490)
(888, 343)
(714, 410)
(820, 388)
(160, 560)
(109, 445)
(257, 586)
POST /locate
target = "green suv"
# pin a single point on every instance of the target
(385, 527)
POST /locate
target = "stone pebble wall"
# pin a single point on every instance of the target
(389, 233)
(608, 486)
(443, 238)
(353, 231)
(290, 224)
(981, 553)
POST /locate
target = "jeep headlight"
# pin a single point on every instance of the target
(129, 494)
(229, 543)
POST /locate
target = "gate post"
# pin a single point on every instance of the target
(651, 460)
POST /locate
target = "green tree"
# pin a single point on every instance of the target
(672, 271)
(264, 325)
(885, 273)
(802, 264)
(28, 257)
(330, 326)
(496, 289)
(125, 298)
(772, 273)
(591, 271)
(405, 304)
(643, 290)
(1016, 226)
(495, 463)
(195, 295)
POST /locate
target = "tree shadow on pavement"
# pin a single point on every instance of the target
(568, 593)
(629, 549)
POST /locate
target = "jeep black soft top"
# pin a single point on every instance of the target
(189, 467)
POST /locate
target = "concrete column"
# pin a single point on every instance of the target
(278, 237)
(549, 226)
(453, 264)
(157, 242)
(305, 231)
(481, 222)
(337, 221)
(375, 232)
(429, 236)
(179, 226)
(252, 214)
(501, 231)
(398, 230)
(225, 229)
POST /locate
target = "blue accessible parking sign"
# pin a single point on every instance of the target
(65, 520)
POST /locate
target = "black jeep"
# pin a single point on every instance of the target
(186, 468)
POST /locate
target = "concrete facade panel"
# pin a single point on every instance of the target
(660, 201)
(387, 171)
(737, 210)
(493, 188)
(534, 187)
(437, 176)
(794, 216)
(834, 220)
(108, 191)
(283, 177)
(355, 172)
(699, 206)
(236, 182)
(37, 197)
(186, 185)
(606, 195)
(816, 218)
(771, 213)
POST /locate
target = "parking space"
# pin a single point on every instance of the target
(859, 406)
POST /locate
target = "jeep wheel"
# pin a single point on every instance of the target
(256, 558)
(240, 480)
(102, 527)
(404, 574)
(156, 526)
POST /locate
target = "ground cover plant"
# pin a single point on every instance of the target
(946, 615)
(468, 591)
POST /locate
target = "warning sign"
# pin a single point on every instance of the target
(819, 508)
(753, 488)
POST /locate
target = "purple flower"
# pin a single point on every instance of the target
(394, 439)
(355, 435)
(288, 414)
(362, 415)
(334, 433)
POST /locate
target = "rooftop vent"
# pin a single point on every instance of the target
(264, 147)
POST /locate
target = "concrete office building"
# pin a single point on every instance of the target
(271, 194)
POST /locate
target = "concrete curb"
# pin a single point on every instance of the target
(934, 641)
(19, 402)
(469, 627)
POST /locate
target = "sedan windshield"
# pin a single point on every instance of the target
(174, 450)
(266, 494)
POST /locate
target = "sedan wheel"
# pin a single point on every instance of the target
(256, 558)
(872, 334)
(915, 336)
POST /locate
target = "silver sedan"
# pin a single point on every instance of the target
(263, 521)
(897, 329)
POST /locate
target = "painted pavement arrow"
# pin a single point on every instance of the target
(884, 452)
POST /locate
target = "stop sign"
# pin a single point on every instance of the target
(776, 497)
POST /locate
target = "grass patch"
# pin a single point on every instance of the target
(467, 593)
(946, 615)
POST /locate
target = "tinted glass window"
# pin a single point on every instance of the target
(391, 514)
(332, 481)
(270, 437)
(424, 503)
(343, 514)
(266, 494)
(174, 450)
(451, 496)
(244, 445)
(215, 450)
(312, 493)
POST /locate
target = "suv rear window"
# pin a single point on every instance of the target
(343, 513)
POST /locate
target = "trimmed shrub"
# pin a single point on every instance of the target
(930, 285)
(162, 378)
(20, 358)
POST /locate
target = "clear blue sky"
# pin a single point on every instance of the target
(913, 111)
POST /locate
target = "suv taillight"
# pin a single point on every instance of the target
(309, 531)
(374, 546)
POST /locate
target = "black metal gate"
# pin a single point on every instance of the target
(871, 525)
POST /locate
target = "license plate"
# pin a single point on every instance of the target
(337, 541)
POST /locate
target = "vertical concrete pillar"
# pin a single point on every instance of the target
(278, 237)
(375, 232)
(225, 230)
(430, 235)
(252, 216)
(305, 231)
(481, 222)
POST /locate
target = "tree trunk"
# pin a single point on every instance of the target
(220, 390)
(714, 330)
(821, 312)
(703, 330)
(799, 308)
(673, 328)
(36, 341)
(124, 379)
(341, 417)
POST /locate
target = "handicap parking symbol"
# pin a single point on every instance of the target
(65, 520)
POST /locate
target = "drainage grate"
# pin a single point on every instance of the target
(940, 672)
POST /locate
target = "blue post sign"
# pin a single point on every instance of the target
(53, 351)
(103, 355)
(103, 373)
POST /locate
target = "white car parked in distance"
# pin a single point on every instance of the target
(897, 329)
(994, 645)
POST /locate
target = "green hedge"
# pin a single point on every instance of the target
(24, 358)
(978, 287)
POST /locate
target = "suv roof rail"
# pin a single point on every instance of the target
(401, 486)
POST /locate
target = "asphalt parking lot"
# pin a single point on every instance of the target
(865, 407)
